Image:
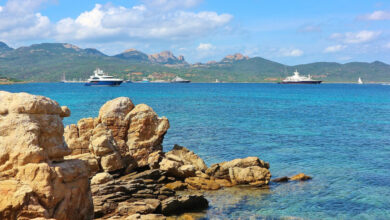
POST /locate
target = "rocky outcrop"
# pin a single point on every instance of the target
(35, 179)
(166, 57)
(250, 170)
(300, 177)
(182, 163)
(234, 57)
(142, 194)
(122, 137)
(146, 133)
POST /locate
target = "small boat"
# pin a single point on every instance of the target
(297, 79)
(102, 79)
(360, 81)
(178, 79)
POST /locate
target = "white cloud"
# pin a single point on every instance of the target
(387, 45)
(171, 4)
(205, 47)
(291, 52)
(356, 38)
(335, 48)
(376, 16)
(19, 21)
(139, 22)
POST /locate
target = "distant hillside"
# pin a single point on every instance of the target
(49, 61)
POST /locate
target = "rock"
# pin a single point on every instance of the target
(104, 148)
(180, 204)
(113, 115)
(201, 183)
(188, 157)
(90, 160)
(182, 163)
(221, 170)
(145, 206)
(65, 112)
(146, 133)
(146, 217)
(147, 174)
(178, 185)
(77, 136)
(154, 159)
(300, 177)
(255, 174)
(101, 178)
(35, 179)
(280, 179)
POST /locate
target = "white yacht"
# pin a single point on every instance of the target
(179, 80)
(102, 79)
(297, 79)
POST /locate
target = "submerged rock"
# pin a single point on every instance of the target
(280, 179)
(35, 179)
(181, 204)
(300, 177)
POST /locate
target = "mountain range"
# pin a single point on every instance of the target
(48, 62)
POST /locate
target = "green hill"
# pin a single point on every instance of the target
(49, 61)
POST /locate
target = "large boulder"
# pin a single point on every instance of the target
(250, 170)
(104, 148)
(146, 133)
(181, 204)
(35, 179)
(136, 132)
(113, 115)
(182, 163)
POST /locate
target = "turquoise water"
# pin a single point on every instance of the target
(337, 133)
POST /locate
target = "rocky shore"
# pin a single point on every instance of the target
(109, 167)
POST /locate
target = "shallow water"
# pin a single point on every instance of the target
(338, 133)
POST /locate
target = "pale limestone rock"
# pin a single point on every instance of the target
(35, 180)
(90, 160)
(146, 133)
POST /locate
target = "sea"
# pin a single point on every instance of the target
(337, 133)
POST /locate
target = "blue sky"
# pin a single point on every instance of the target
(286, 31)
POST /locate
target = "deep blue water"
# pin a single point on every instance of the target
(338, 133)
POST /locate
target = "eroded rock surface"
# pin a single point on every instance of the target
(122, 137)
(35, 180)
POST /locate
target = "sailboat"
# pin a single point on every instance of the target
(360, 81)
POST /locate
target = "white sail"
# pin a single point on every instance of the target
(360, 81)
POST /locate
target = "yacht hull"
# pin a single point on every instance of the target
(301, 82)
(103, 83)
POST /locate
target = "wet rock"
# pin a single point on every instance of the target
(35, 179)
(300, 177)
(146, 133)
(280, 179)
(180, 204)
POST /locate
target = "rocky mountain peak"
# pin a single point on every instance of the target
(129, 50)
(235, 57)
(166, 57)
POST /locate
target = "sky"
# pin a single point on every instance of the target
(286, 31)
